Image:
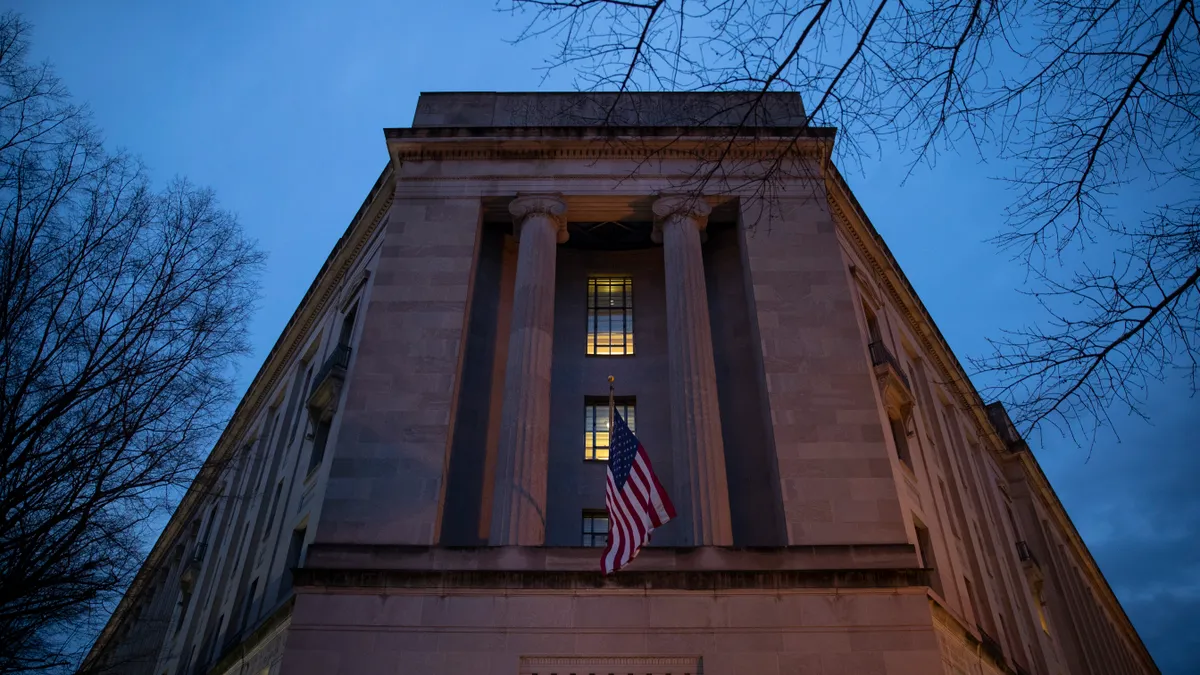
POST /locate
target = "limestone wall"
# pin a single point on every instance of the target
(729, 632)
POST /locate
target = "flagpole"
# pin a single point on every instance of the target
(611, 406)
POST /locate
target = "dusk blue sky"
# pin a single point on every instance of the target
(280, 105)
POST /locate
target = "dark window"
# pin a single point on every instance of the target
(610, 316)
(245, 538)
(900, 439)
(949, 507)
(872, 325)
(595, 424)
(925, 549)
(348, 326)
(183, 608)
(216, 640)
(971, 599)
(1012, 521)
(295, 549)
(274, 507)
(320, 439)
(301, 400)
(595, 528)
(246, 616)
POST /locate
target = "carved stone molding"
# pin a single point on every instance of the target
(550, 207)
(699, 149)
(896, 397)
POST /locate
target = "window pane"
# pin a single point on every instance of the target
(595, 528)
(595, 421)
(610, 316)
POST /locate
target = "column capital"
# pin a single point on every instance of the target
(550, 207)
(689, 207)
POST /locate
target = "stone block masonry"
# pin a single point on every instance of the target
(387, 470)
(816, 376)
(744, 632)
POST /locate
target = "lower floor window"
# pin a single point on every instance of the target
(595, 528)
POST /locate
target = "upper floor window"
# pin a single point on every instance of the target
(595, 424)
(873, 331)
(347, 331)
(610, 316)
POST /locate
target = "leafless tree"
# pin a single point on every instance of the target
(121, 310)
(1088, 102)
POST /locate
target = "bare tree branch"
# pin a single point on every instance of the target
(122, 309)
(1089, 102)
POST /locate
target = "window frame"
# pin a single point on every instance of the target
(625, 310)
(592, 516)
(592, 427)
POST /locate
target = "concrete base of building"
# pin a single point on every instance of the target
(673, 612)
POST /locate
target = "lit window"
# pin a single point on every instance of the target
(595, 424)
(595, 528)
(610, 317)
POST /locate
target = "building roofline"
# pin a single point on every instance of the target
(733, 92)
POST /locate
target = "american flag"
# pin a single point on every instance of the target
(637, 502)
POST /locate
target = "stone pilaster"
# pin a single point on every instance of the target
(519, 500)
(700, 490)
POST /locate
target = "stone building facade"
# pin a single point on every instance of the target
(414, 482)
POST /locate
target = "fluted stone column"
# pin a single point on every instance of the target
(698, 452)
(519, 499)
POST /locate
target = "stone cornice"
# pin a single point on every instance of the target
(324, 288)
(593, 143)
(886, 273)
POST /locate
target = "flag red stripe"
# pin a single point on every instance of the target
(638, 507)
(647, 502)
(637, 486)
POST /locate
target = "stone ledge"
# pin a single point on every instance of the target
(579, 559)
(318, 579)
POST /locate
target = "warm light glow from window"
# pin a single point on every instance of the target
(610, 317)
(595, 425)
